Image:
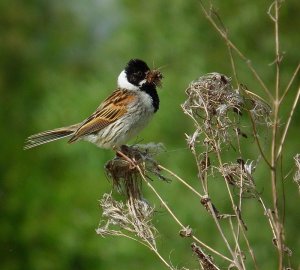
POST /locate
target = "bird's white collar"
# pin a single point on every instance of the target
(124, 83)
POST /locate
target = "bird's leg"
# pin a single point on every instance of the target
(132, 162)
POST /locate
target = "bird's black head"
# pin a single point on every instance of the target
(136, 71)
(137, 76)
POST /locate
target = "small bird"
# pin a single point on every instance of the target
(119, 117)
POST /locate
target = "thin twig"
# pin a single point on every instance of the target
(237, 244)
(267, 213)
(181, 180)
(236, 261)
(258, 142)
(233, 206)
(286, 128)
(161, 258)
(290, 83)
(233, 65)
(241, 55)
(177, 220)
(241, 227)
(278, 227)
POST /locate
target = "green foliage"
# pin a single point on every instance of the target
(58, 61)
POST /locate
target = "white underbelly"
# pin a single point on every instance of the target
(121, 131)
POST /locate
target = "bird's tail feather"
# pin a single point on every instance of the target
(49, 136)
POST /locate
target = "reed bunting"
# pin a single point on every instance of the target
(119, 117)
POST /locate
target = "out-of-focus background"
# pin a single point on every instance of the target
(59, 60)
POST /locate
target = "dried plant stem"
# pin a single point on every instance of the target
(258, 142)
(240, 54)
(241, 188)
(237, 245)
(234, 207)
(232, 64)
(277, 45)
(178, 221)
(269, 215)
(232, 202)
(161, 258)
(249, 246)
(241, 227)
(288, 123)
(290, 83)
(274, 185)
(181, 181)
(151, 247)
(235, 259)
(139, 225)
(116, 233)
(278, 223)
(203, 179)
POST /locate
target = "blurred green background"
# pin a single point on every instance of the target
(59, 60)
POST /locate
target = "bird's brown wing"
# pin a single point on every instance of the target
(109, 111)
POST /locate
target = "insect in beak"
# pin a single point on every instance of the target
(154, 76)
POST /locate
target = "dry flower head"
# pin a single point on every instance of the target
(132, 218)
(216, 108)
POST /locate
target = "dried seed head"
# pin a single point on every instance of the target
(133, 217)
(210, 103)
(206, 261)
(124, 174)
(186, 232)
(124, 219)
(285, 248)
(259, 108)
(216, 109)
(209, 206)
(240, 175)
(204, 162)
(212, 93)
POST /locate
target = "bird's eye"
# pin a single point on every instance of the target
(139, 74)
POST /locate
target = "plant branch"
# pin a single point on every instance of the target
(231, 199)
(290, 83)
(240, 54)
(181, 181)
(241, 227)
(177, 220)
(278, 228)
(258, 142)
(283, 138)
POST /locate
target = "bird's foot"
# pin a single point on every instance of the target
(120, 153)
